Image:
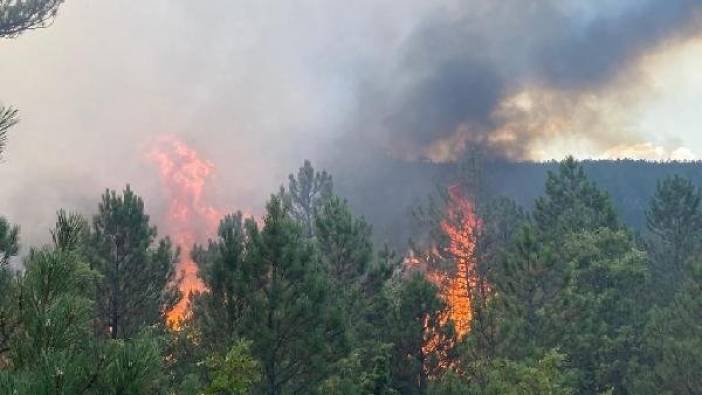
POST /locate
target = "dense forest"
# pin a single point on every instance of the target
(578, 285)
(493, 299)
(388, 189)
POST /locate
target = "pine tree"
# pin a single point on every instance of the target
(526, 287)
(671, 359)
(346, 255)
(599, 316)
(9, 241)
(415, 329)
(132, 366)
(344, 242)
(237, 373)
(138, 273)
(674, 221)
(294, 330)
(9, 246)
(226, 270)
(8, 119)
(572, 203)
(50, 351)
(306, 192)
(18, 16)
(546, 375)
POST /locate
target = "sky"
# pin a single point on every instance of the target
(258, 86)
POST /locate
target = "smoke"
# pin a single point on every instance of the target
(514, 75)
(255, 87)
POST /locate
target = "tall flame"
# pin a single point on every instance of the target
(456, 286)
(189, 218)
(460, 225)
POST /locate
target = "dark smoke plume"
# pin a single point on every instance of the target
(507, 74)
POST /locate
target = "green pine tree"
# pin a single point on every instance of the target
(226, 270)
(51, 351)
(572, 203)
(306, 192)
(419, 338)
(674, 222)
(599, 316)
(294, 329)
(138, 272)
(671, 359)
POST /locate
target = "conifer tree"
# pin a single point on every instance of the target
(599, 316)
(294, 329)
(671, 359)
(50, 349)
(9, 241)
(227, 272)
(8, 118)
(306, 192)
(526, 287)
(572, 203)
(674, 222)
(138, 272)
(18, 16)
(9, 246)
(415, 329)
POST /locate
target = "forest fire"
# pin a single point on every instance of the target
(189, 218)
(456, 285)
(460, 226)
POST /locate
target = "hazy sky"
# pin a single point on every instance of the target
(257, 86)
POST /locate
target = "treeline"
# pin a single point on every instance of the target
(564, 299)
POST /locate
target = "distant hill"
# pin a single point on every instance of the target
(386, 194)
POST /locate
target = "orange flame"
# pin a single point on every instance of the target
(189, 218)
(460, 225)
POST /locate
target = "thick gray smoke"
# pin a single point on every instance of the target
(458, 73)
(257, 86)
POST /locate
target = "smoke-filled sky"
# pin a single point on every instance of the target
(257, 86)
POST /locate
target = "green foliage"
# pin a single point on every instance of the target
(17, 16)
(131, 366)
(227, 272)
(49, 350)
(526, 288)
(293, 327)
(548, 375)
(305, 194)
(674, 221)
(344, 242)
(236, 373)
(366, 371)
(562, 306)
(599, 315)
(413, 318)
(671, 359)
(9, 241)
(572, 203)
(8, 119)
(138, 273)
(71, 231)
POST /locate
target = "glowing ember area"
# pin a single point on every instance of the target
(189, 218)
(460, 226)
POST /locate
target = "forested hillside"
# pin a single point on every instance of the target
(388, 194)
(399, 277)
(492, 299)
